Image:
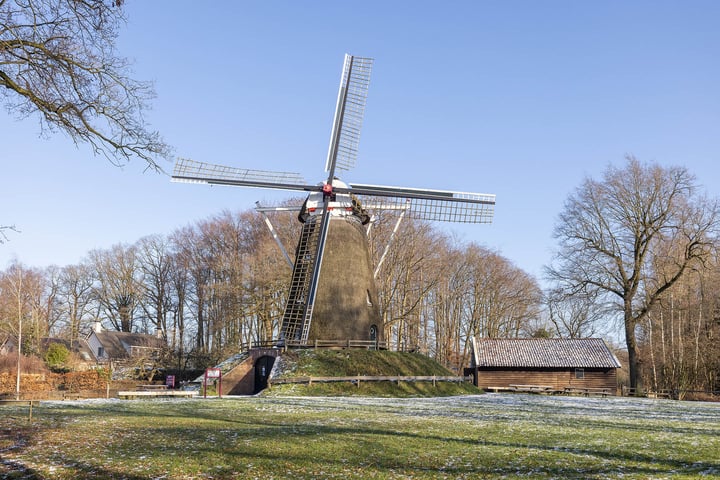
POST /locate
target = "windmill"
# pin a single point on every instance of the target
(332, 292)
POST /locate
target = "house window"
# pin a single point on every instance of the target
(580, 373)
(101, 352)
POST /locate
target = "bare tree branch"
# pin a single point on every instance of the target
(58, 58)
(3, 232)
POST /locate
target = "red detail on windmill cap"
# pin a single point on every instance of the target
(327, 189)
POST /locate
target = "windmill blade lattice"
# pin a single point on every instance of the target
(433, 210)
(431, 205)
(352, 97)
(191, 171)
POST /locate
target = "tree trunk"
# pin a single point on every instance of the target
(633, 354)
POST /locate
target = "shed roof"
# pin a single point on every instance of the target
(545, 353)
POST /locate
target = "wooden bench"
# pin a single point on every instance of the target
(633, 392)
(659, 394)
(603, 392)
(533, 388)
(574, 391)
(156, 393)
(498, 389)
(152, 387)
(30, 404)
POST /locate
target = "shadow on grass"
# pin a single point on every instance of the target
(387, 451)
(279, 442)
(10, 469)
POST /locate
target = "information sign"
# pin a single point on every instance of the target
(215, 374)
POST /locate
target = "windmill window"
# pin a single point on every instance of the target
(369, 298)
(580, 373)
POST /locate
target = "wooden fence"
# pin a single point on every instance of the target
(362, 344)
(319, 343)
(357, 379)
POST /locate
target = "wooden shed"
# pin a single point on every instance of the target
(560, 363)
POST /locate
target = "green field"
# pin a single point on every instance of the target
(483, 436)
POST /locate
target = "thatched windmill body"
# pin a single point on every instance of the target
(332, 292)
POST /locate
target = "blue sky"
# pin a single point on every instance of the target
(522, 99)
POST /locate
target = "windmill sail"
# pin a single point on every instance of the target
(349, 112)
(191, 171)
(342, 154)
(432, 205)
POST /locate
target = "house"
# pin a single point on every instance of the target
(78, 347)
(107, 345)
(8, 344)
(558, 363)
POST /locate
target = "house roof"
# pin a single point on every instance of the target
(79, 347)
(117, 344)
(8, 342)
(545, 353)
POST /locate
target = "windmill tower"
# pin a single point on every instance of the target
(332, 292)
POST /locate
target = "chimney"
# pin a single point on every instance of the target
(97, 326)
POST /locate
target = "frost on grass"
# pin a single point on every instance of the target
(485, 436)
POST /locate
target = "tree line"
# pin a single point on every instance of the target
(220, 284)
(637, 250)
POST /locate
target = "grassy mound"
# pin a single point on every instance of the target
(345, 363)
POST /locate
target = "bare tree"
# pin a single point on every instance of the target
(679, 336)
(156, 263)
(576, 315)
(447, 312)
(267, 289)
(58, 59)
(611, 231)
(22, 305)
(409, 273)
(117, 289)
(181, 283)
(73, 299)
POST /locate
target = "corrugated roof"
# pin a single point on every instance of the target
(545, 353)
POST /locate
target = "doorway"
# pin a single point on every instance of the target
(263, 366)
